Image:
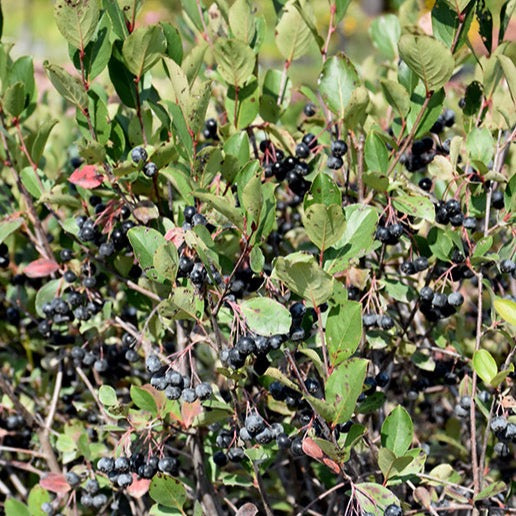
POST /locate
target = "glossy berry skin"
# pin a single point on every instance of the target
(507, 266)
(334, 163)
(188, 213)
(236, 454)
(168, 465)
(498, 424)
(455, 299)
(408, 268)
(150, 169)
(386, 322)
(393, 510)
(497, 200)
(139, 154)
(425, 184)
(309, 110)
(106, 464)
(382, 379)
(302, 150)
(254, 424)
(296, 447)
(220, 459)
(338, 148)
(124, 480)
(66, 255)
(283, 441)
(310, 140)
(426, 294)
(297, 310)
(421, 263)
(153, 363)
(203, 391)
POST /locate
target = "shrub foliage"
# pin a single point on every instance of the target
(224, 290)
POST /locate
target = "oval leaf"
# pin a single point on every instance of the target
(484, 365)
(168, 492)
(265, 316)
(77, 20)
(431, 61)
(337, 82)
(55, 482)
(86, 177)
(40, 268)
(397, 431)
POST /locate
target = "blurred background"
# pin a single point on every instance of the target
(30, 24)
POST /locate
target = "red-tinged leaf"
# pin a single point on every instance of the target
(189, 411)
(86, 177)
(330, 463)
(139, 486)
(55, 482)
(40, 268)
(176, 236)
(248, 509)
(312, 449)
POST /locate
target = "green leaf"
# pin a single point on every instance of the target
(323, 224)
(444, 22)
(341, 8)
(197, 104)
(509, 70)
(473, 98)
(107, 395)
(14, 99)
(224, 207)
(433, 110)
(484, 365)
(174, 45)
(415, 205)
(116, 15)
(343, 331)
(166, 260)
(396, 96)
(506, 309)
(491, 490)
(375, 153)
(385, 32)
(480, 145)
(235, 61)
(357, 240)
(337, 82)
(247, 106)
(428, 58)
(8, 227)
(145, 242)
(167, 491)
(37, 497)
(265, 316)
(242, 21)
(344, 386)
(40, 139)
(182, 304)
(77, 20)
(14, 507)
(45, 294)
(143, 48)
(293, 36)
(304, 277)
(323, 191)
(397, 431)
(67, 86)
(29, 178)
(252, 201)
(144, 400)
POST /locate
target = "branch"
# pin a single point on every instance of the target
(412, 133)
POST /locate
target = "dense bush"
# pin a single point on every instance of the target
(224, 291)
